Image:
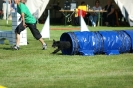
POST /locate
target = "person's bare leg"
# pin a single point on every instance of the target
(17, 39)
(44, 45)
(16, 47)
(42, 41)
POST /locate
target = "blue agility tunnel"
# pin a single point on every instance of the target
(98, 42)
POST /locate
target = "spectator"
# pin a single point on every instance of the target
(94, 16)
(5, 13)
(109, 16)
(1, 11)
(1, 14)
(81, 10)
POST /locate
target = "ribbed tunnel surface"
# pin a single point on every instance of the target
(98, 42)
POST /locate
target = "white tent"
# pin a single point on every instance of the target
(38, 6)
(126, 9)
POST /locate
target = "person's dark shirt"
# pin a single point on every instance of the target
(108, 9)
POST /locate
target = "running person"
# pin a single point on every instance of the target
(27, 21)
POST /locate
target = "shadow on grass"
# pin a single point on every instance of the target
(60, 54)
(7, 48)
(56, 54)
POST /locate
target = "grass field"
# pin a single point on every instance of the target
(31, 67)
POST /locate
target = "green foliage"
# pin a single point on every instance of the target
(31, 67)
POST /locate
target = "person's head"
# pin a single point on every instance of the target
(97, 2)
(82, 3)
(109, 2)
(17, 1)
(23, 1)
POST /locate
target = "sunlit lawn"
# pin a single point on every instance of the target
(31, 67)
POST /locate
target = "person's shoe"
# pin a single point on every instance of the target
(15, 47)
(44, 47)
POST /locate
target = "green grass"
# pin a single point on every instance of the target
(31, 67)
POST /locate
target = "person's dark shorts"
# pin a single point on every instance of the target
(19, 28)
(35, 32)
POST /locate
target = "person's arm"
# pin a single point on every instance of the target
(112, 10)
(23, 20)
(100, 8)
(93, 8)
(104, 8)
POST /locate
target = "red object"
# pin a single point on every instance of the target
(81, 12)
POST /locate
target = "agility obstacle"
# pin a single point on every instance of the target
(98, 42)
(45, 32)
(10, 35)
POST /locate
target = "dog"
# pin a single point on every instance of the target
(61, 45)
